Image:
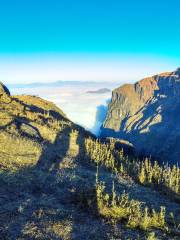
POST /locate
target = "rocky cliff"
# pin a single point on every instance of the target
(147, 114)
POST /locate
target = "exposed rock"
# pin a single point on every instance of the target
(4, 89)
(4, 93)
(147, 114)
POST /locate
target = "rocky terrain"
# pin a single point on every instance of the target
(147, 115)
(57, 181)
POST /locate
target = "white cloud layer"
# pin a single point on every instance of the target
(76, 103)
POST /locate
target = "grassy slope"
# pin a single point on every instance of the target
(47, 183)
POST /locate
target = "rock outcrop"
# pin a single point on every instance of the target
(4, 90)
(147, 114)
(4, 93)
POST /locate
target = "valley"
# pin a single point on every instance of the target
(59, 181)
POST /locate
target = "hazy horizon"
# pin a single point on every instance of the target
(39, 69)
(47, 41)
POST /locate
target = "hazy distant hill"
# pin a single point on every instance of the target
(99, 91)
(58, 84)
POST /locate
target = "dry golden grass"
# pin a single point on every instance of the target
(62, 229)
(18, 152)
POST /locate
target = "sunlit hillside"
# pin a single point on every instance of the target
(58, 181)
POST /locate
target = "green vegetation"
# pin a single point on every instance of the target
(121, 208)
(57, 181)
(151, 236)
(164, 177)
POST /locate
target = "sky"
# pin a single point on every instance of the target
(98, 40)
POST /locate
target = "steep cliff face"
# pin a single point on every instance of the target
(147, 114)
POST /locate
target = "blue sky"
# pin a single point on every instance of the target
(36, 35)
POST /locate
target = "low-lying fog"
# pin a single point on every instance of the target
(88, 109)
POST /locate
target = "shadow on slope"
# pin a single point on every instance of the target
(156, 131)
(51, 199)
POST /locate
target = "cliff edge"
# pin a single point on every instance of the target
(147, 114)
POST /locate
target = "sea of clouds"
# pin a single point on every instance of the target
(83, 108)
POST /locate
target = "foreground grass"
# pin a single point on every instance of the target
(120, 208)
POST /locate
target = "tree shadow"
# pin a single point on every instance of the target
(36, 109)
(40, 182)
(86, 217)
(51, 192)
(24, 127)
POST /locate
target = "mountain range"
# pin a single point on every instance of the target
(59, 83)
(59, 181)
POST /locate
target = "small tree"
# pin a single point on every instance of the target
(142, 176)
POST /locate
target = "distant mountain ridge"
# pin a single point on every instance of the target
(56, 84)
(99, 91)
(147, 114)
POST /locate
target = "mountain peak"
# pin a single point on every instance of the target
(145, 114)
